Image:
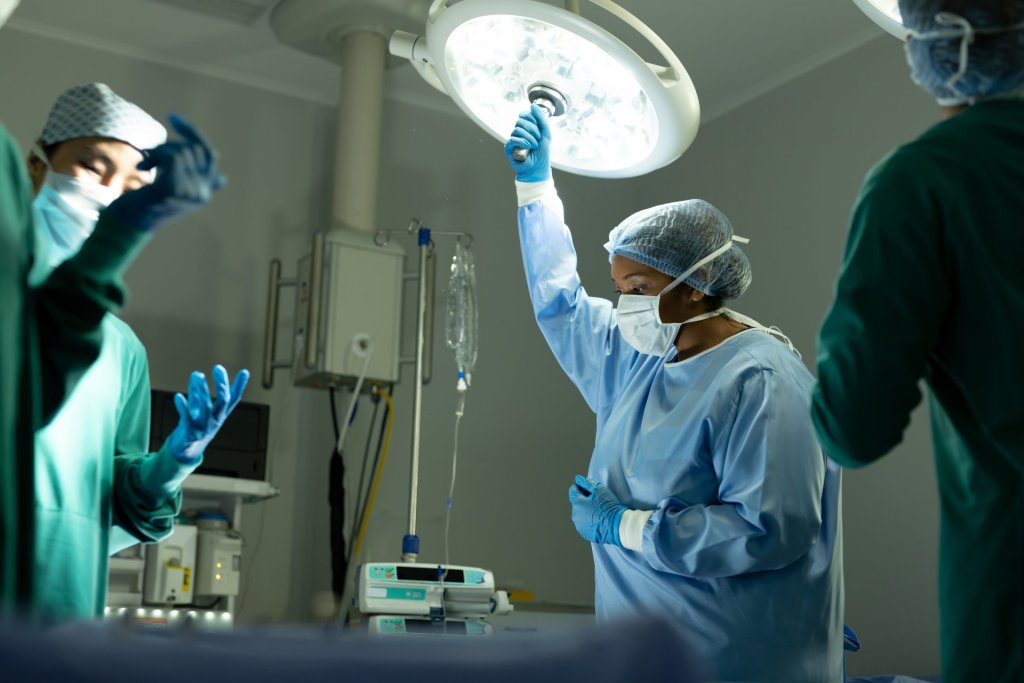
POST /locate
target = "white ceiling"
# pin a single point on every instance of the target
(734, 50)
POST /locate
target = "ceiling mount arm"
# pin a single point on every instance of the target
(414, 48)
(675, 72)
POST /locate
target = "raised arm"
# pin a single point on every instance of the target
(580, 329)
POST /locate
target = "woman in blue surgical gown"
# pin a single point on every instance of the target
(708, 495)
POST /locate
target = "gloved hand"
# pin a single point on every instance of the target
(596, 511)
(162, 473)
(199, 417)
(186, 178)
(531, 133)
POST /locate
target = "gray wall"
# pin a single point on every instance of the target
(785, 168)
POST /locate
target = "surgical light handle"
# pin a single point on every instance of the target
(551, 102)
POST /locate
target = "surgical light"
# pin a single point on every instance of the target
(885, 13)
(612, 113)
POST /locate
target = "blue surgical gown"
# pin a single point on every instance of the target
(89, 499)
(744, 547)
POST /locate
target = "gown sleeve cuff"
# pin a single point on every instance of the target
(162, 473)
(528, 193)
(631, 529)
(110, 248)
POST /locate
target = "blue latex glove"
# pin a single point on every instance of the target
(186, 178)
(199, 417)
(532, 133)
(596, 511)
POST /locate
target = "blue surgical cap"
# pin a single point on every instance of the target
(672, 237)
(964, 50)
(94, 110)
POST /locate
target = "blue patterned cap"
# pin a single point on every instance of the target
(672, 237)
(966, 50)
(94, 110)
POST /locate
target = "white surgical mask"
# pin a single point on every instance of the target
(639, 316)
(67, 208)
(6, 9)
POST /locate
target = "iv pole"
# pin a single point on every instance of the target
(424, 333)
(423, 369)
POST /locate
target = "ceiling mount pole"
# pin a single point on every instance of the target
(357, 155)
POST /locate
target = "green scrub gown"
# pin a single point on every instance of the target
(89, 502)
(85, 481)
(48, 335)
(932, 287)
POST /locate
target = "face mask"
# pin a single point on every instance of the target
(6, 9)
(67, 209)
(639, 317)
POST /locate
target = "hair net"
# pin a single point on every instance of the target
(963, 50)
(671, 238)
(94, 110)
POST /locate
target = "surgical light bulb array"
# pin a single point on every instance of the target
(608, 109)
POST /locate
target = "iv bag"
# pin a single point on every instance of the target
(461, 328)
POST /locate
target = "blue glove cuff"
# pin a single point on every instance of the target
(537, 174)
(616, 521)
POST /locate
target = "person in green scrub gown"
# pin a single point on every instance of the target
(49, 334)
(932, 288)
(98, 489)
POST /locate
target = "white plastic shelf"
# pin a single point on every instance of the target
(247, 488)
(127, 564)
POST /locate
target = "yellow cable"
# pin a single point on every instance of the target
(376, 475)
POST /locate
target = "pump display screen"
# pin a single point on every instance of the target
(455, 628)
(428, 574)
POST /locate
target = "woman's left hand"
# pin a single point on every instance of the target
(596, 511)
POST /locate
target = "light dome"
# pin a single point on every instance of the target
(623, 116)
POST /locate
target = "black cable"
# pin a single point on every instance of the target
(336, 501)
(355, 411)
(334, 414)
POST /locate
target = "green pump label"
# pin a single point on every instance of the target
(406, 594)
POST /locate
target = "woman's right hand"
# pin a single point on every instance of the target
(533, 134)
